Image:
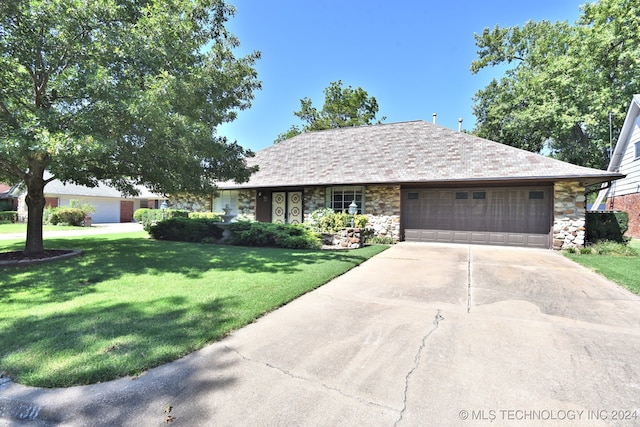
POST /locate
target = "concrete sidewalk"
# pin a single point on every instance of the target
(421, 334)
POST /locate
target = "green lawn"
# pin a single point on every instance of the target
(130, 303)
(22, 228)
(623, 270)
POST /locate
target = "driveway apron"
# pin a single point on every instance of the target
(422, 334)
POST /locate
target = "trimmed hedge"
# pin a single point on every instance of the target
(608, 225)
(186, 230)
(291, 236)
(147, 216)
(207, 215)
(8, 216)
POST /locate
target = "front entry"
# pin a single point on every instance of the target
(286, 207)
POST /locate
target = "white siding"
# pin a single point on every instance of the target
(630, 166)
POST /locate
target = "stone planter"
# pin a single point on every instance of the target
(347, 238)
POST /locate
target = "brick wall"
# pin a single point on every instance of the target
(629, 203)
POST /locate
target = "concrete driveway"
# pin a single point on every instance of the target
(422, 334)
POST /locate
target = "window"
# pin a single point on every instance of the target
(339, 198)
(462, 195)
(413, 196)
(479, 195)
(536, 195)
(226, 197)
(637, 146)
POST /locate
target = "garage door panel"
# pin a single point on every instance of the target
(500, 216)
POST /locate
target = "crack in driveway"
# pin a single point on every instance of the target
(416, 363)
(323, 385)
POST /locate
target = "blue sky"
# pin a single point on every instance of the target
(413, 56)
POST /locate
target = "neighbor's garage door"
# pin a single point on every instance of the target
(514, 216)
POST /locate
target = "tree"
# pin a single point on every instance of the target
(562, 82)
(343, 107)
(122, 91)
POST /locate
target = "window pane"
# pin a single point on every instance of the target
(479, 195)
(536, 195)
(341, 198)
(462, 195)
(413, 196)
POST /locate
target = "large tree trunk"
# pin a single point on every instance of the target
(35, 205)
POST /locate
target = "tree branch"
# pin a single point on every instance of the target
(13, 169)
(14, 122)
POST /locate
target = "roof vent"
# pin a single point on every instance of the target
(459, 124)
(434, 118)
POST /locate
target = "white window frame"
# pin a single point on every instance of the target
(347, 194)
(226, 197)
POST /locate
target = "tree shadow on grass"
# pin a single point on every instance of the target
(110, 257)
(106, 341)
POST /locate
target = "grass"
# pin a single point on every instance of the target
(130, 303)
(22, 228)
(620, 269)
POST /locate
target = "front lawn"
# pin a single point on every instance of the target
(620, 269)
(130, 303)
(22, 228)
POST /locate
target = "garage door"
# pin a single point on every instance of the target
(514, 216)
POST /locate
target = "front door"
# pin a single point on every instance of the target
(286, 207)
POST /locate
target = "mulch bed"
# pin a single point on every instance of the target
(20, 256)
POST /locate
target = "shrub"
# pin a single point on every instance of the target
(607, 247)
(8, 217)
(85, 207)
(328, 221)
(186, 230)
(208, 215)
(381, 240)
(606, 226)
(292, 236)
(149, 216)
(70, 216)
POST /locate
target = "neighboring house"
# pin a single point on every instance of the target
(110, 204)
(8, 197)
(417, 181)
(624, 194)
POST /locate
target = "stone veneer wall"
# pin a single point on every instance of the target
(383, 209)
(313, 198)
(568, 215)
(247, 205)
(190, 202)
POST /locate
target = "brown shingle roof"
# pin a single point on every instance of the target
(408, 152)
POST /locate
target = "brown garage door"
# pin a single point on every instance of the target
(514, 216)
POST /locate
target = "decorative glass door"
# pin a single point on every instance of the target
(279, 207)
(294, 208)
(286, 207)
